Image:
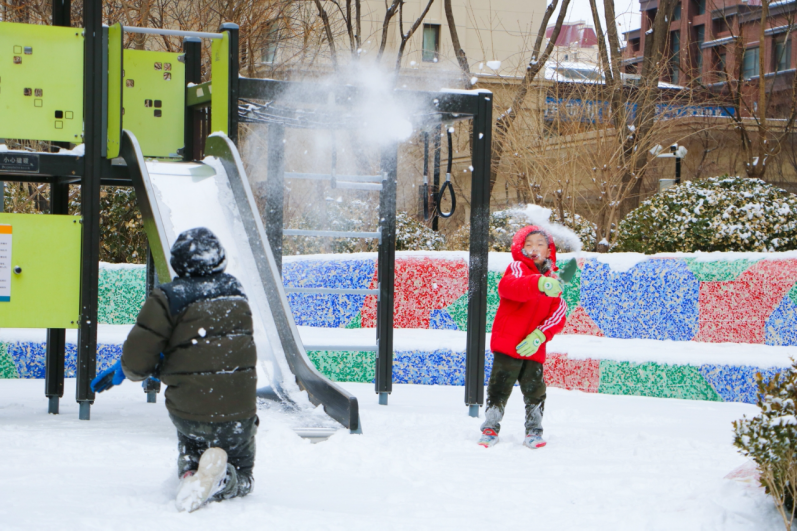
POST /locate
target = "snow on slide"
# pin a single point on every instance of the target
(183, 196)
(194, 195)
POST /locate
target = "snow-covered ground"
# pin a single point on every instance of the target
(612, 462)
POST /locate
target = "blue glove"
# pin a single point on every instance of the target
(108, 378)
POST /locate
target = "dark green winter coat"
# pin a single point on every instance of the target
(203, 327)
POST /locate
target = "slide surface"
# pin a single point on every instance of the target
(215, 193)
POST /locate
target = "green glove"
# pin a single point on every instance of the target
(530, 345)
(550, 286)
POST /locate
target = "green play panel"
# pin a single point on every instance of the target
(153, 101)
(41, 82)
(44, 292)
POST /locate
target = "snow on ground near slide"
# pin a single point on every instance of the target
(612, 463)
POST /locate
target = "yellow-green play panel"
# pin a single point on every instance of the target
(39, 271)
(115, 47)
(220, 84)
(153, 101)
(41, 82)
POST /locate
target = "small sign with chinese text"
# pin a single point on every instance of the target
(5, 263)
(19, 162)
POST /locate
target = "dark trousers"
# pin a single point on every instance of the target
(237, 438)
(506, 371)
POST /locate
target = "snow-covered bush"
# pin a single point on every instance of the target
(717, 214)
(574, 234)
(334, 215)
(412, 235)
(357, 216)
(770, 440)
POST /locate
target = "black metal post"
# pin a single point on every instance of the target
(434, 207)
(62, 13)
(90, 204)
(56, 337)
(677, 170)
(479, 248)
(233, 110)
(59, 204)
(386, 264)
(192, 47)
(275, 190)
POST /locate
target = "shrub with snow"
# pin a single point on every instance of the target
(575, 233)
(770, 440)
(357, 216)
(717, 214)
(412, 235)
(334, 215)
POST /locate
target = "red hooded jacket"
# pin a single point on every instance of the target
(523, 307)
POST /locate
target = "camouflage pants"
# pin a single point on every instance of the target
(506, 371)
(237, 438)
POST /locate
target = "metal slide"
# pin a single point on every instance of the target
(176, 196)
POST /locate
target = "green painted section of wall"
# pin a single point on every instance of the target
(356, 322)
(458, 310)
(7, 367)
(122, 293)
(572, 292)
(652, 379)
(793, 294)
(719, 271)
(41, 82)
(344, 366)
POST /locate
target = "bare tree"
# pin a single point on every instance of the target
(504, 123)
(462, 58)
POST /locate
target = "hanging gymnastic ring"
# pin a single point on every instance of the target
(451, 193)
(425, 187)
(447, 184)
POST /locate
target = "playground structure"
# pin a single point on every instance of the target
(137, 106)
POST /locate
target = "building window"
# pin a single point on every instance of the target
(700, 37)
(676, 13)
(701, 7)
(750, 63)
(675, 44)
(270, 47)
(635, 45)
(721, 63)
(720, 27)
(782, 58)
(431, 42)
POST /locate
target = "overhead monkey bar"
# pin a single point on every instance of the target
(173, 33)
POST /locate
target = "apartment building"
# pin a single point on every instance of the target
(704, 36)
(497, 36)
(576, 43)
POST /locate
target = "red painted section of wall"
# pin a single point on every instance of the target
(737, 311)
(581, 375)
(422, 285)
(579, 322)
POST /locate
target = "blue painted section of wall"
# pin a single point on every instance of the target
(781, 327)
(331, 311)
(736, 383)
(30, 358)
(441, 320)
(655, 299)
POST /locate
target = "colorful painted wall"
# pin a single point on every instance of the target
(678, 298)
(740, 298)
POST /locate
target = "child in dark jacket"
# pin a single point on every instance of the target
(530, 312)
(195, 334)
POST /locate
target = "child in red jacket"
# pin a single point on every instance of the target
(530, 313)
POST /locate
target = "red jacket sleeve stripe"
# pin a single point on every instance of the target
(555, 323)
